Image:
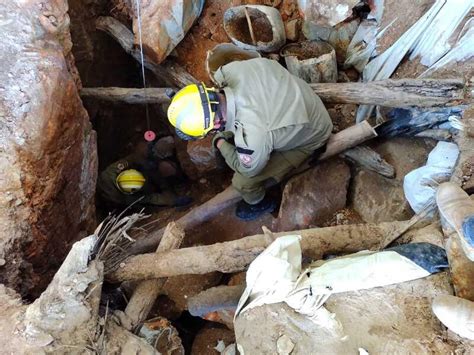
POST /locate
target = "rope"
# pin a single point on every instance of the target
(142, 61)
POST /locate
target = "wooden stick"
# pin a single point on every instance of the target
(428, 92)
(129, 95)
(249, 23)
(339, 142)
(147, 291)
(369, 159)
(238, 254)
(171, 74)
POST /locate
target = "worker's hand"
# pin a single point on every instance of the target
(220, 137)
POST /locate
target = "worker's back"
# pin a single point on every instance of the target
(274, 107)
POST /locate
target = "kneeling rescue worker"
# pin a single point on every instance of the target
(268, 122)
(139, 175)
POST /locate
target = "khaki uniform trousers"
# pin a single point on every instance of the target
(280, 164)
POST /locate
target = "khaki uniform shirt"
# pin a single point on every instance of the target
(268, 109)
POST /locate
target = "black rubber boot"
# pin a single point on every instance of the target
(249, 212)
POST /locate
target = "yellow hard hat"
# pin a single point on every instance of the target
(130, 181)
(192, 110)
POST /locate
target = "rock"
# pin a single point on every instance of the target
(327, 12)
(208, 338)
(391, 319)
(48, 148)
(404, 154)
(284, 345)
(202, 155)
(161, 28)
(378, 199)
(179, 288)
(292, 29)
(196, 158)
(311, 198)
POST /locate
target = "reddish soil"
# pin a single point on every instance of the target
(209, 31)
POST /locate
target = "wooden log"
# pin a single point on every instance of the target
(339, 142)
(431, 92)
(129, 95)
(171, 73)
(369, 159)
(147, 291)
(398, 93)
(236, 255)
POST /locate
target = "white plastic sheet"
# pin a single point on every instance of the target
(276, 276)
(420, 185)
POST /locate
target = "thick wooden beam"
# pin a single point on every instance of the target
(398, 93)
(129, 95)
(170, 73)
(388, 93)
(238, 254)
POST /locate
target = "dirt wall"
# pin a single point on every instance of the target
(48, 149)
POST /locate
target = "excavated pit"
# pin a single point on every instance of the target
(101, 62)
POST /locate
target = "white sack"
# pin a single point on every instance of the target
(420, 185)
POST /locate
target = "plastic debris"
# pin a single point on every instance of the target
(462, 51)
(433, 43)
(276, 276)
(420, 185)
(220, 347)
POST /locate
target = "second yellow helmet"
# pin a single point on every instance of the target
(130, 181)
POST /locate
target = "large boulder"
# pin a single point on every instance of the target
(311, 198)
(379, 199)
(47, 147)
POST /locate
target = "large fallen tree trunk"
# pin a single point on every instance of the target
(238, 254)
(338, 143)
(172, 74)
(388, 93)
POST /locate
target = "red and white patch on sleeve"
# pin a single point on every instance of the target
(245, 160)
